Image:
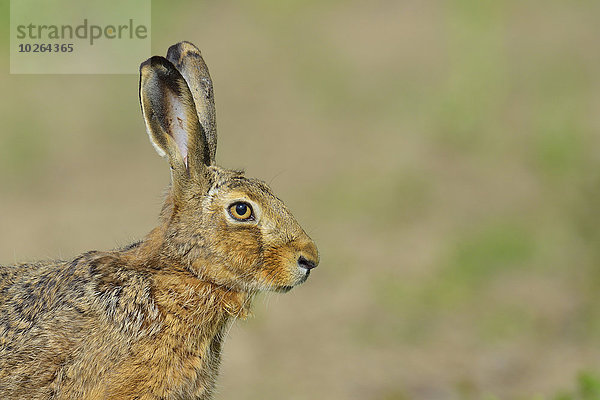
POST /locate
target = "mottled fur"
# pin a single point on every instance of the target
(148, 321)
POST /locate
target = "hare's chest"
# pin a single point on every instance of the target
(169, 366)
(194, 365)
(207, 368)
(197, 371)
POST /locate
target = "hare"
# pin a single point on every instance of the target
(148, 321)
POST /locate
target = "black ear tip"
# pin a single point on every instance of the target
(174, 52)
(156, 62)
(178, 51)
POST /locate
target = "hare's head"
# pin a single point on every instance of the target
(224, 227)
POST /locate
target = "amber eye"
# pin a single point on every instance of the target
(241, 211)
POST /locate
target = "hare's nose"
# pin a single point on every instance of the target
(305, 263)
(308, 255)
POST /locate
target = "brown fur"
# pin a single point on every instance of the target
(148, 321)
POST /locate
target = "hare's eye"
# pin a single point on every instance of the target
(241, 211)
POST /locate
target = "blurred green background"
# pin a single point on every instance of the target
(443, 154)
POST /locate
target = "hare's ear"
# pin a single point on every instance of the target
(189, 62)
(171, 119)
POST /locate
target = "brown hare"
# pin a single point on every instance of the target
(147, 321)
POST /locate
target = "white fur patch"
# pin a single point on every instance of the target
(178, 123)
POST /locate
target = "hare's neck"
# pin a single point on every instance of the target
(194, 309)
(194, 319)
(202, 307)
(194, 316)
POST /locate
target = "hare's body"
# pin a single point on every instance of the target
(148, 321)
(109, 325)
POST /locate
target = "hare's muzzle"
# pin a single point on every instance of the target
(305, 263)
(308, 257)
